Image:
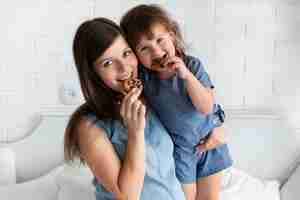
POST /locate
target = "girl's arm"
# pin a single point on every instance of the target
(202, 97)
(123, 179)
(215, 139)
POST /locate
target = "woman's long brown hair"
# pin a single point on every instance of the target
(92, 38)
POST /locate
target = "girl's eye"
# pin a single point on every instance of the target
(107, 63)
(143, 49)
(159, 40)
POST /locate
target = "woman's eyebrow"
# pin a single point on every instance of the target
(126, 48)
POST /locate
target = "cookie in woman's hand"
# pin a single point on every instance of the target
(130, 84)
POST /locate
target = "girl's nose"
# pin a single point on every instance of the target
(158, 52)
(160, 59)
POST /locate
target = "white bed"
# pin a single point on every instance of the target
(265, 152)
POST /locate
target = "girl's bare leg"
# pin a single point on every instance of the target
(190, 191)
(208, 188)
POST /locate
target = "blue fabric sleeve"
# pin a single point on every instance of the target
(196, 67)
(105, 125)
(220, 113)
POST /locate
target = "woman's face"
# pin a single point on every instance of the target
(116, 64)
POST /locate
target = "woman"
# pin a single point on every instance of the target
(125, 146)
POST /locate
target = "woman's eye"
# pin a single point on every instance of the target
(107, 63)
(127, 53)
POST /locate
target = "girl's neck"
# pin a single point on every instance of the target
(165, 75)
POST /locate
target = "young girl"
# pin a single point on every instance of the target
(180, 91)
(127, 148)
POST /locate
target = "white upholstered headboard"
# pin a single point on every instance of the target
(42, 150)
(260, 142)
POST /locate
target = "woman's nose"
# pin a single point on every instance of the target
(123, 66)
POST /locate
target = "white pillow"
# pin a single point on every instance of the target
(7, 166)
(75, 183)
(238, 185)
(291, 189)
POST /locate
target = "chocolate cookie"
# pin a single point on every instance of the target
(129, 84)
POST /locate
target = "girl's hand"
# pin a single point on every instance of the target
(177, 64)
(133, 112)
(216, 138)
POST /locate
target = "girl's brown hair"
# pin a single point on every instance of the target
(92, 38)
(139, 20)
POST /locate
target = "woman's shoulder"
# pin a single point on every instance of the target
(91, 120)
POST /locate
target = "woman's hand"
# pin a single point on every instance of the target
(133, 112)
(216, 138)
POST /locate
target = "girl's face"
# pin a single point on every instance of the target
(161, 44)
(116, 64)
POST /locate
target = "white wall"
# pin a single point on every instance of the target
(251, 49)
